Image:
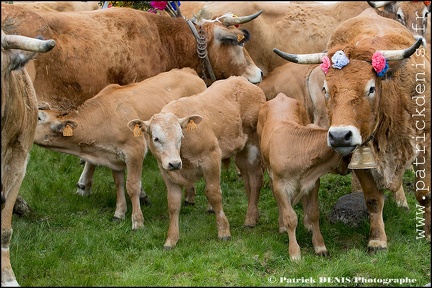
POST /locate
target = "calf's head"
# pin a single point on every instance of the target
(164, 133)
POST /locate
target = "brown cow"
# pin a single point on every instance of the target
(415, 15)
(60, 6)
(88, 133)
(295, 27)
(387, 110)
(18, 123)
(282, 21)
(296, 155)
(123, 45)
(190, 137)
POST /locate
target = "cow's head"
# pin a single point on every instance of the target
(164, 133)
(412, 14)
(353, 87)
(16, 52)
(52, 127)
(225, 44)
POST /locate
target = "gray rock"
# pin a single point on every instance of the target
(350, 209)
(21, 208)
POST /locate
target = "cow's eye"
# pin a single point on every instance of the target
(326, 94)
(371, 90)
(156, 139)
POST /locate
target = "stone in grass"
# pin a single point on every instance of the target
(21, 208)
(350, 209)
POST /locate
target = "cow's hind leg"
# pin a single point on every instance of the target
(86, 180)
(311, 219)
(400, 198)
(374, 199)
(213, 193)
(248, 162)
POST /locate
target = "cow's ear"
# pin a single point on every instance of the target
(137, 126)
(231, 37)
(190, 122)
(66, 127)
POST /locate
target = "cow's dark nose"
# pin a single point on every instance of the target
(340, 138)
(176, 165)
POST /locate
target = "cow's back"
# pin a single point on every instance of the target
(75, 34)
(150, 95)
(370, 24)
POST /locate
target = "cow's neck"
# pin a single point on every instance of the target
(180, 45)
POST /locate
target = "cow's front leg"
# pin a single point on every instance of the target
(133, 186)
(311, 219)
(374, 199)
(174, 197)
(287, 215)
(7, 274)
(86, 180)
(121, 206)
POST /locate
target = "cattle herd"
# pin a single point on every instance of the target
(296, 89)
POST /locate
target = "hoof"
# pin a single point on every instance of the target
(209, 211)
(324, 254)
(116, 220)
(225, 238)
(186, 203)
(168, 248)
(374, 250)
(145, 201)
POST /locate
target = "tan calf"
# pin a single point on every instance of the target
(191, 136)
(97, 130)
(296, 156)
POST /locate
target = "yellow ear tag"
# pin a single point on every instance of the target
(240, 37)
(67, 131)
(137, 131)
(191, 126)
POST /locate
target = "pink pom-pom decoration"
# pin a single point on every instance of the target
(379, 63)
(325, 65)
(160, 5)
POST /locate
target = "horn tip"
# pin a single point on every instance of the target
(286, 56)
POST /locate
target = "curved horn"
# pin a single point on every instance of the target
(228, 21)
(26, 43)
(314, 58)
(402, 53)
(379, 4)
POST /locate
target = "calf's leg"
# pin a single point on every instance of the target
(311, 219)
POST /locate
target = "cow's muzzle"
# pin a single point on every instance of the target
(174, 165)
(343, 139)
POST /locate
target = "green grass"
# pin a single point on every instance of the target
(70, 240)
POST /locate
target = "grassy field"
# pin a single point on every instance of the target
(70, 240)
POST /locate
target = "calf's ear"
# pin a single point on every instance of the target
(66, 127)
(190, 122)
(137, 126)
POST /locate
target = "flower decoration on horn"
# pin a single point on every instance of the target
(339, 59)
(325, 65)
(379, 63)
